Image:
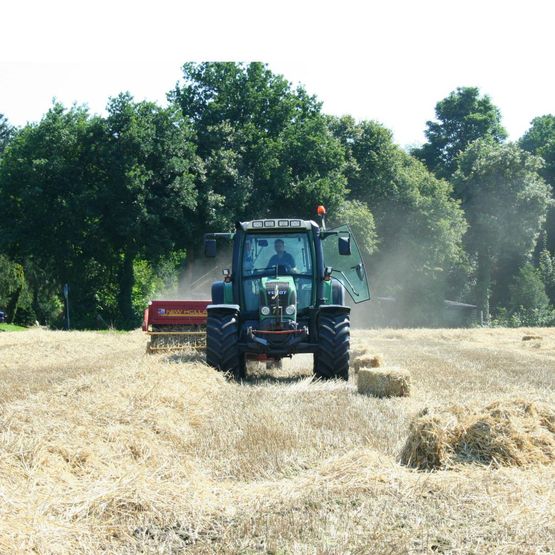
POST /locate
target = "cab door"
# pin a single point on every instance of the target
(348, 269)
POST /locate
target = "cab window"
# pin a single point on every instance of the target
(277, 254)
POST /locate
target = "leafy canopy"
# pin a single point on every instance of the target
(462, 117)
(266, 147)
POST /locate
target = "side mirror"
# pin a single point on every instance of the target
(210, 248)
(262, 242)
(344, 245)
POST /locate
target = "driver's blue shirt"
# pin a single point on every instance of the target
(284, 260)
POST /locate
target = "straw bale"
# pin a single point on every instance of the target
(367, 361)
(386, 382)
(505, 433)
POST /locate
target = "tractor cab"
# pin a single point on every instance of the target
(288, 278)
(277, 261)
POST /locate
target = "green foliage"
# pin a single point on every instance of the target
(266, 147)
(11, 327)
(84, 196)
(111, 205)
(50, 178)
(527, 290)
(505, 201)
(462, 118)
(6, 133)
(152, 281)
(358, 216)
(525, 317)
(149, 193)
(546, 269)
(372, 159)
(414, 212)
(503, 196)
(540, 140)
(419, 226)
(12, 287)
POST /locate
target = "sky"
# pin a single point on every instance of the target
(386, 61)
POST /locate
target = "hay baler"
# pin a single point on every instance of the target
(175, 324)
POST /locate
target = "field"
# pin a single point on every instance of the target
(106, 449)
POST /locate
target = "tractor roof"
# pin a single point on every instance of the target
(277, 224)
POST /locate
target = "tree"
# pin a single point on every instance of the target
(148, 195)
(373, 159)
(462, 117)
(505, 201)
(357, 215)
(419, 226)
(46, 183)
(267, 147)
(528, 290)
(85, 197)
(546, 268)
(540, 140)
(12, 285)
(6, 133)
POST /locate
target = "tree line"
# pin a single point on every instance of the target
(116, 205)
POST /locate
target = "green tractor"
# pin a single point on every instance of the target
(285, 294)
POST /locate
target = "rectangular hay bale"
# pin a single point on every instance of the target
(384, 382)
(367, 361)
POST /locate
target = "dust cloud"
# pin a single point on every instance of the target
(195, 279)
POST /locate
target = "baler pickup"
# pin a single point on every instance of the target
(174, 325)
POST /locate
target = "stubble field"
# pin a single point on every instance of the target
(106, 449)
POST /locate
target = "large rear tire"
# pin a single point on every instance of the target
(222, 344)
(332, 357)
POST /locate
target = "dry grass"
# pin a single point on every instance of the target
(385, 382)
(505, 433)
(104, 449)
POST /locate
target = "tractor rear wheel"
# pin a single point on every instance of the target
(222, 344)
(332, 357)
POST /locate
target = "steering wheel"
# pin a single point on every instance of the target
(284, 268)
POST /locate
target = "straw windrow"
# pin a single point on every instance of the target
(504, 433)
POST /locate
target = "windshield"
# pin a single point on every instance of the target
(290, 253)
(277, 254)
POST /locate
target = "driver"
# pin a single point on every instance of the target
(281, 258)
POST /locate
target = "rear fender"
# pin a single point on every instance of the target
(222, 292)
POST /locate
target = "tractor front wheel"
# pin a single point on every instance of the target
(222, 343)
(332, 357)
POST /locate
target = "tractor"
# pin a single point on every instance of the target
(284, 294)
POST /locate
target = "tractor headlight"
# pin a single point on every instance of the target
(265, 310)
(290, 310)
